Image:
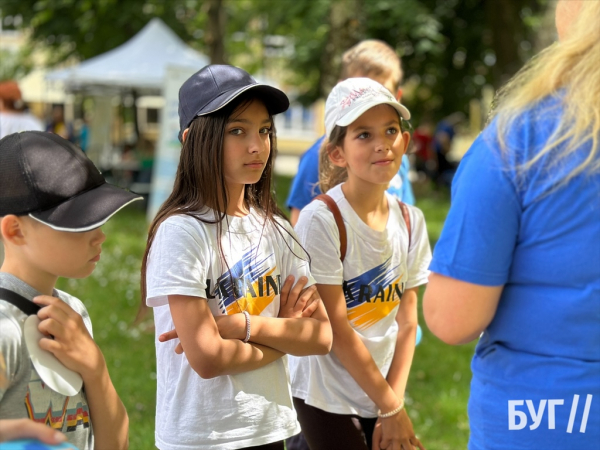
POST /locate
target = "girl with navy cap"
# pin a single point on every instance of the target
(219, 269)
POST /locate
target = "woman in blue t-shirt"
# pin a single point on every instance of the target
(518, 262)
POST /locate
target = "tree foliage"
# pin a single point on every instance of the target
(86, 28)
(449, 48)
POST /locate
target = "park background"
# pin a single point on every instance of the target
(455, 55)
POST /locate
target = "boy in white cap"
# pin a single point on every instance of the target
(53, 201)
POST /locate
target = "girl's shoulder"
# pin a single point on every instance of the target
(192, 224)
(319, 208)
(281, 228)
(415, 215)
(316, 211)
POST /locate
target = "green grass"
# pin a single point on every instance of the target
(438, 388)
(112, 296)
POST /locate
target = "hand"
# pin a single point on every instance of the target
(67, 337)
(169, 336)
(13, 429)
(297, 302)
(395, 433)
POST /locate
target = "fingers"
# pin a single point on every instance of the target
(411, 444)
(285, 290)
(53, 307)
(305, 297)
(51, 327)
(55, 316)
(417, 443)
(47, 300)
(406, 445)
(28, 429)
(313, 303)
(168, 336)
(376, 441)
(296, 292)
(50, 345)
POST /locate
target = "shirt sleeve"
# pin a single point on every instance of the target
(304, 186)
(10, 351)
(480, 232)
(177, 265)
(419, 253)
(320, 237)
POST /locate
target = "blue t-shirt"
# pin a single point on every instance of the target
(540, 356)
(305, 184)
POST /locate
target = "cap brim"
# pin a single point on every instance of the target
(355, 114)
(275, 100)
(87, 211)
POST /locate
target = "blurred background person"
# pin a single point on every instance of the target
(518, 261)
(13, 116)
(58, 124)
(424, 156)
(445, 131)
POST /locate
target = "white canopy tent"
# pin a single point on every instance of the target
(140, 63)
(137, 67)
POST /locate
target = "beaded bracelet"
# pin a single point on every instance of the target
(247, 338)
(392, 412)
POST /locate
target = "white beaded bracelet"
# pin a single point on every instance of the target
(392, 412)
(247, 338)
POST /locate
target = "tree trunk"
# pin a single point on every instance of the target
(215, 33)
(344, 31)
(508, 30)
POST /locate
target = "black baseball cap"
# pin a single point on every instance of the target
(214, 86)
(51, 180)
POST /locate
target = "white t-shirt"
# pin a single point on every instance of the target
(14, 122)
(230, 411)
(375, 272)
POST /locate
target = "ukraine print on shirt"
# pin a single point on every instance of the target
(373, 295)
(249, 285)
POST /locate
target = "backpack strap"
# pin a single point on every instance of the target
(406, 216)
(337, 215)
(27, 306)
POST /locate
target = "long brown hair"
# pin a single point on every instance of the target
(200, 181)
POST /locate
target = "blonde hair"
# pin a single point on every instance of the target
(371, 58)
(572, 65)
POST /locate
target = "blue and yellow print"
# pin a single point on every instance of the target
(249, 285)
(372, 295)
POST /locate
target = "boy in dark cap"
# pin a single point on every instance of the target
(53, 202)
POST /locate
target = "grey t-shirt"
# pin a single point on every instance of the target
(26, 396)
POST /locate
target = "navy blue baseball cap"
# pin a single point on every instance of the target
(215, 86)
